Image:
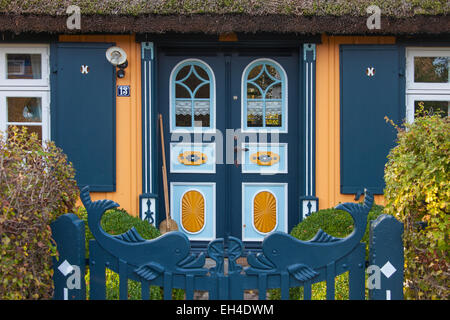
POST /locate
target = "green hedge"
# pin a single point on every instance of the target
(115, 222)
(338, 224)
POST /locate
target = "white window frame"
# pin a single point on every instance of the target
(45, 121)
(410, 98)
(33, 88)
(421, 90)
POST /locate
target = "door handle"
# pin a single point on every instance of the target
(236, 149)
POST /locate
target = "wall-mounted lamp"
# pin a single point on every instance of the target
(118, 58)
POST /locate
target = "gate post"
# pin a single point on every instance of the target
(386, 259)
(68, 231)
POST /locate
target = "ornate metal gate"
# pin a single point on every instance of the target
(284, 262)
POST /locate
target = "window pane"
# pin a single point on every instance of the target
(183, 113)
(433, 107)
(203, 92)
(24, 109)
(182, 92)
(254, 113)
(24, 66)
(253, 92)
(201, 73)
(264, 84)
(201, 113)
(192, 97)
(274, 92)
(183, 72)
(431, 69)
(273, 72)
(273, 114)
(31, 129)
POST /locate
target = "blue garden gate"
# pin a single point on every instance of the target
(284, 261)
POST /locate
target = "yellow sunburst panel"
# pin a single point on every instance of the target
(264, 158)
(193, 211)
(265, 212)
(192, 158)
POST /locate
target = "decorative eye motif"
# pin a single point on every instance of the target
(264, 158)
(192, 158)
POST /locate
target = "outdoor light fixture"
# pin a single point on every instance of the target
(118, 58)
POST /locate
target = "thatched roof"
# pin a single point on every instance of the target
(218, 16)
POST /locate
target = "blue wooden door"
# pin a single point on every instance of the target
(232, 150)
(83, 110)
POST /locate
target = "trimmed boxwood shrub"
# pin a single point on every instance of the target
(337, 223)
(36, 186)
(118, 221)
(115, 222)
(417, 191)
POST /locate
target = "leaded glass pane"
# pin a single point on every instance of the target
(203, 92)
(253, 92)
(201, 73)
(273, 113)
(255, 72)
(192, 96)
(183, 113)
(183, 72)
(273, 72)
(254, 113)
(182, 92)
(201, 113)
(274, 92)
(264, 87)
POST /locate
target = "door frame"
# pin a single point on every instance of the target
(307, 81)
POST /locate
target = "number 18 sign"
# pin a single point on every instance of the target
(123, 91)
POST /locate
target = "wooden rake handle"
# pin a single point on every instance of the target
(164, 172)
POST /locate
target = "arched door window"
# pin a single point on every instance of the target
(264, 96)
(192, 96)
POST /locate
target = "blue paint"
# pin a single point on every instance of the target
(84, 112)
(386, 248)
(228, 69)
(284, 262)
(366, 138)
(68, 231)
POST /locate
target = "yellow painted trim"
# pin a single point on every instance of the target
(128, 124)
(328, 119)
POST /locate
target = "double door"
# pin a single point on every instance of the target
(231, 128)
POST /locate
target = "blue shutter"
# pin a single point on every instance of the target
(83, 110)
(366, 99)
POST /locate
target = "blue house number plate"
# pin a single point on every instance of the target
(123, 91)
